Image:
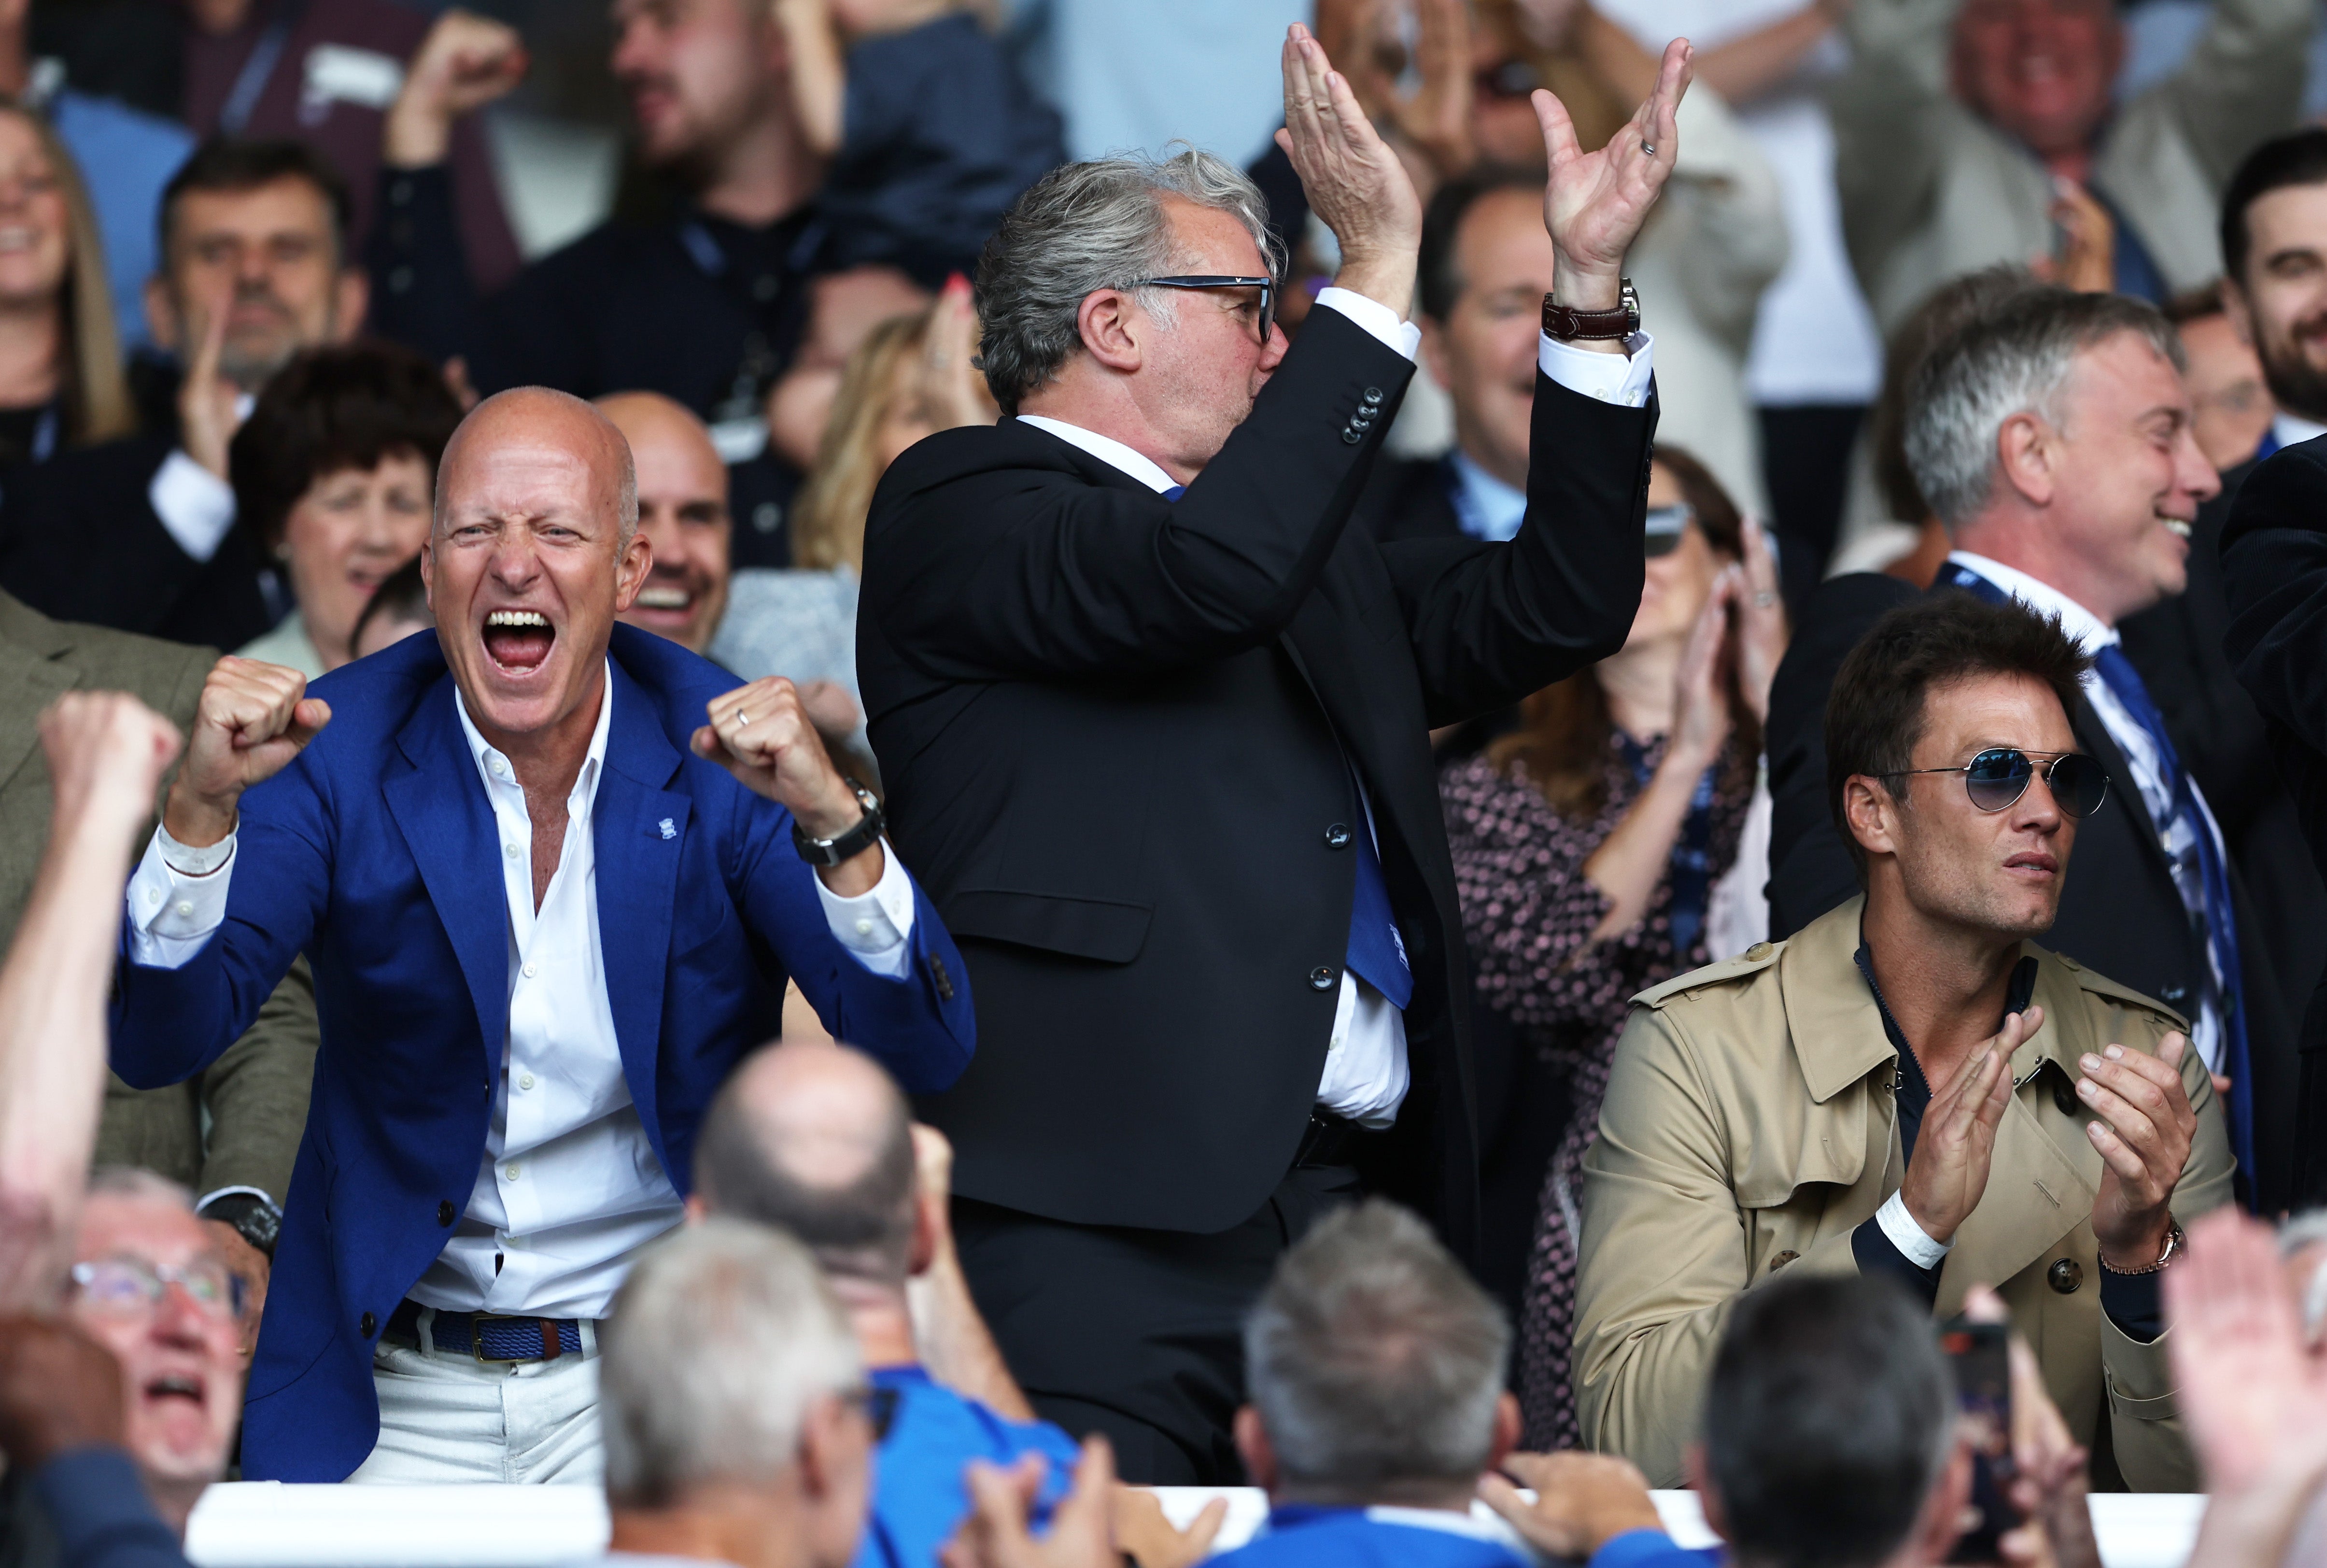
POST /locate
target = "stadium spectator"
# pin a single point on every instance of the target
(814, 1139)
(334, 475)
(255, 235)
(60, 378)
(1586, 846)
(739, 1427)
(658, 954)
(2050, 437)
(1779, 1098)
(1974, 132)
(2231, 412)
(682, 514)
(397, 610)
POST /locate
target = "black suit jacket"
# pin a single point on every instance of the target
(82, 543)
(1116, 732)
(2120, 911)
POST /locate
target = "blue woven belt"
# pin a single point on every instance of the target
(487, 1336)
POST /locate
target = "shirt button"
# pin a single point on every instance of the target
(152, 895)
(1605, 396)
(531, 970)
(525, 1080)
(509, 850)
(184, 909)
(510, 1171)
(864, 928)
(497, 766)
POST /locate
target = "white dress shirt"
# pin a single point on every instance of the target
(1366, 1075)
(2293, 430)
(568, 1187)
(196, 507)
(2090, 633)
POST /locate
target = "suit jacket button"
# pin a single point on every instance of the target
(1321, 978)
(2065, 1275)
(941, 978)
(444, 1212)
(366, 1325)
(1373, 394)
(1782, 1259)
(1338, 836)
(1352, 435)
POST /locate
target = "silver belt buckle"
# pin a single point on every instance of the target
(477, 1321)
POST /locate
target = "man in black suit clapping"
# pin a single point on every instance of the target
(1155, 723)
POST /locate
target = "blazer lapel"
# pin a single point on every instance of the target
(439, 805)
(640, 830)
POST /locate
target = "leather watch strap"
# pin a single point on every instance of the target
(1566, 324)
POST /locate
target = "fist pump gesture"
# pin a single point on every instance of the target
(761, 735)
(251, 721)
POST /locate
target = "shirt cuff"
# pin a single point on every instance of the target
(1913, 1243)
(196, 507)
(207, 1199)
(1375, 317)
(875, 927)
(1619, 379)
(177, 899)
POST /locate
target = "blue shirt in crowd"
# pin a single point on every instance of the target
(919, 1496)
(1298, 1534)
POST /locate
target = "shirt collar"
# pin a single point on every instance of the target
(2292, 429)
(1106, 449)
(1487, 508)
(2089, 631)
(585, 783)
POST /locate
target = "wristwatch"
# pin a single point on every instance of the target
(1567, 325)
(830, 852)
(257, 1221)
(2175, 1242)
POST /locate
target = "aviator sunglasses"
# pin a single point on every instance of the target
(1208, 280)
(1999, 776)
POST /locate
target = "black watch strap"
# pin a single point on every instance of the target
(830, 852)
(256, 1221)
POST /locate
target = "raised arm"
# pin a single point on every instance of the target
(2241, 83)
(105, 754)
(1889, 109)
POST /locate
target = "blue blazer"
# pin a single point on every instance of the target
(377, 854)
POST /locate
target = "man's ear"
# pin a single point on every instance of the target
(1507, 1431)
(350, 299)
(1872, 814)
(928, 1226)
(631, 571)
(1253, 1447)
(1112, 326)
(2240, 311)
(162, 314)
(2027, 452)
(1700, 1481)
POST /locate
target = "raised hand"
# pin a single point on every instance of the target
(762, 735)
(2142, 1125)
(1582, 1502)
(2246, 1391)
(1355, 184)
(59, 1390)
(1949, 1173)
(995, 1534)
(1145, 1535)
(209, 406)
(106, 752)
(1761, 633)
(1594, 203)
(464, 63)
(1701, 711)
(251, 720)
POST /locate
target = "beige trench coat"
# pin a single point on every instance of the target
(1749, 1127)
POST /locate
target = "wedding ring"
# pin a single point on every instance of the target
(1765, 599)
(741, 718)
(1649, 148)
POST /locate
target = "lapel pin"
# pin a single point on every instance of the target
(667, 830)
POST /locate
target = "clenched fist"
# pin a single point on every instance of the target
(252, 720)
(761, 735)
(107, 751)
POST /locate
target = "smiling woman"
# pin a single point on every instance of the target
(61, 378)
(335, 473)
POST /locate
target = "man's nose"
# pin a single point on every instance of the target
(2191, 472)
(2036, 810)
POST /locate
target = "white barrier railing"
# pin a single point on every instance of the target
(266, 1525)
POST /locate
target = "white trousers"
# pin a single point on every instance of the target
(444, 1417)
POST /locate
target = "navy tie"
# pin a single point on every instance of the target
(1173, 492)
(1376, 953)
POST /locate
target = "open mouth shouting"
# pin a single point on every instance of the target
(519, 641)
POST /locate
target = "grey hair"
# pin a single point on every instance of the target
(1374, 1359)
(720, 1342)
(2014, 359)
(626, 497)
(137, 1181)
(1087, 227)
(2301, 1231)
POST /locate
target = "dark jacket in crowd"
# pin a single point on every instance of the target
(2273, 560)
(85, 1508)
(1078, 690)
(2120, 915)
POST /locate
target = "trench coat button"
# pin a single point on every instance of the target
(1759, 951)
(2065, 1275)
(1338, 836)
(444, 1212)
(1321, 978)
(2065, 1099)
(1782, 1259)
(367, 1325)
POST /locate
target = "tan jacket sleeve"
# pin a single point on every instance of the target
(256, 1093)
(1891, 112)
(2145, 1431)
(1663, 1255)
(2240, 85)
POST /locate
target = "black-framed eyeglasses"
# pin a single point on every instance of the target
(1999, 776)
(1209, 280)
(133, 1287)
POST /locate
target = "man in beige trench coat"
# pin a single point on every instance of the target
(1910, 1084)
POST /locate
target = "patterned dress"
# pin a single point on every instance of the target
(1529, 913)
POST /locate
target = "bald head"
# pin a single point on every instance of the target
(682, 508)
(815, 1137)
(537, 416)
